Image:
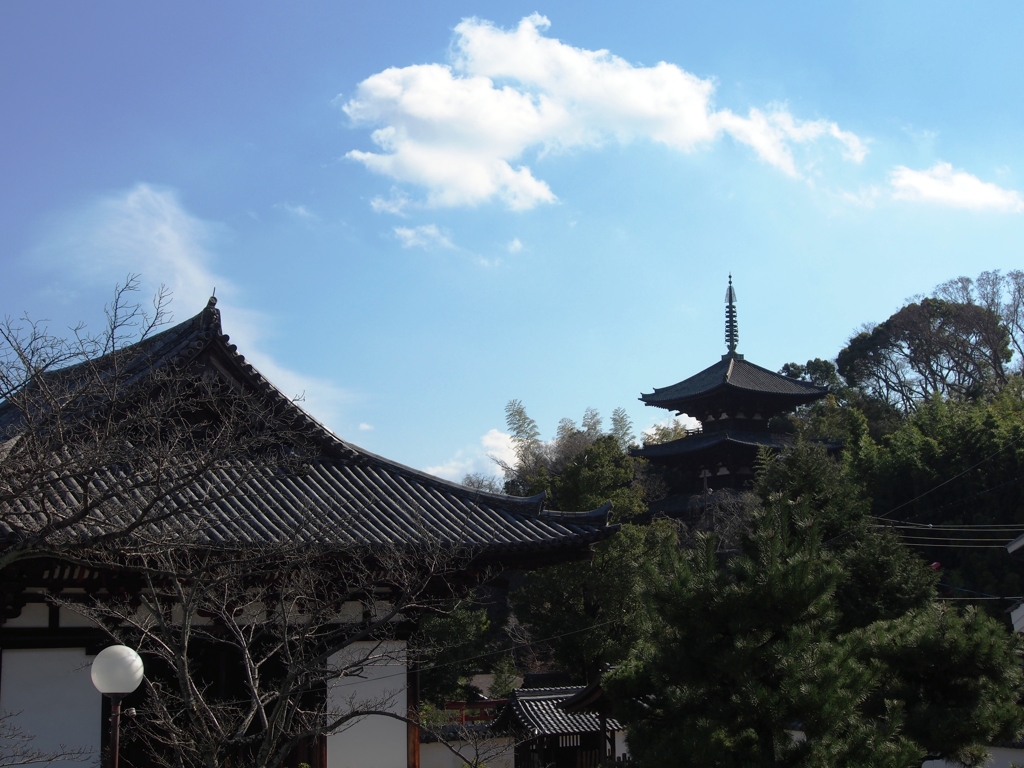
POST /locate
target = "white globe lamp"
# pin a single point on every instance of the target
(116, 672)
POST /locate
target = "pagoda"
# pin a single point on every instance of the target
(735, 402)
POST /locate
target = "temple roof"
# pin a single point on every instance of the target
(348, 496)
(538, 711)
(706, 441)
(733, 375)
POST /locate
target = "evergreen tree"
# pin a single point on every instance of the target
(449, 647)
(948, 481)
(821, 625)
(597, 610)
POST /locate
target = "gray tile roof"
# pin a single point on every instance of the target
(732, 372)
(537, 711)
(349, 496)
(704, 441)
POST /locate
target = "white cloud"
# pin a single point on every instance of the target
(454, 469)
(864, 197)
(498, 445)
(147, 231)
(364, 427)
(479, 458)
(426, 236)
(957, 189)
(461, 129)
(515, 246)
(687, 421)
(395, 204)
(298, 211)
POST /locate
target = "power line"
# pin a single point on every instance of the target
(942, 527)
(986, 595)
(955, 477)
(953, 538)
(957, 546)
(958, 502)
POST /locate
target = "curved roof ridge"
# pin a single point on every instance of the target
(536, 502)
(350, 495)
(734, 372)
(210, 317)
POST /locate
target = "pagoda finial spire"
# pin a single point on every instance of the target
(732, 329)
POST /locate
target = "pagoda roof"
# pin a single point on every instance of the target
(707, 441)
(348, 496)
(735, 376)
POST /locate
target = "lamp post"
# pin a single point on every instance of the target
(116, 672)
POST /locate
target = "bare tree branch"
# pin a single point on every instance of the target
(296, 627)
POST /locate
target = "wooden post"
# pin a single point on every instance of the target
(115, 730)
(604, 739)
(412, 732)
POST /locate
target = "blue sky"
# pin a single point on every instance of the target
(414, 212)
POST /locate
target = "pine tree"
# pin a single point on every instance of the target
(819, 625)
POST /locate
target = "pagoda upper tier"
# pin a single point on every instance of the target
(735, 401)
(735, 391)
(732, 393)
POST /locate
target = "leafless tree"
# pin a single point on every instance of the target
(101, 438)
(476, 745)
(116, 456)
(999, 294)
(251, 651)
(725, 513)
(934, 345)
(17, 747)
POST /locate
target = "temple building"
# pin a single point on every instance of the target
(736, 403)
(349, 500)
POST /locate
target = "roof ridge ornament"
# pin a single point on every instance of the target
(732, 329)
(210, 316)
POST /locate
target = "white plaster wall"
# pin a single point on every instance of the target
(999, 757)
(52, 693)
(621, 745)
(34, 615)
(68, 618)
(500, 753)
(375, 741)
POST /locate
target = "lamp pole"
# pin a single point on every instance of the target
(116, 672)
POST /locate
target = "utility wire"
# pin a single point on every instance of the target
(965, 528)
(987, 595)
(956, 546)
(955, 477)
(952, 538)
(961, 502)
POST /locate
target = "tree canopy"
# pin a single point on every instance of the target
(821, 625)
(958, 343)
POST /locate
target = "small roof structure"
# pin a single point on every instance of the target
(539, 712)
(349, 496)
